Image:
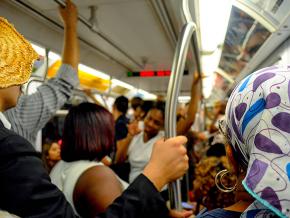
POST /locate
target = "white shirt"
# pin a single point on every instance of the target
(139, 153)
(66, 174)
(5, 122)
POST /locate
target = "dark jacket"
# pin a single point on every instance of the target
(121, 129)
(140, 200)
(26, 189)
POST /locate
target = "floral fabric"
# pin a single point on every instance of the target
(258, 127)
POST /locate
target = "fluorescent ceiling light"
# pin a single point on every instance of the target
(214, 17)
(210, 62)
(94, 72)
(122, 84)
(183, 99)
(146, 95)
(207, 85)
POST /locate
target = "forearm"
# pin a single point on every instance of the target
(184, 124)
(70, 53)
(122, 148)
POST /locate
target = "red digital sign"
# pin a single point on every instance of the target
(147, 73)
(151, 73)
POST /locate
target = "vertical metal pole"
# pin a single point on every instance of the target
(171, 100)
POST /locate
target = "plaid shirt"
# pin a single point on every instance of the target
(33, 111)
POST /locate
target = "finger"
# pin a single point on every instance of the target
(180, 214)
(182, 150)
(187, 213)
(175, 214)
(178, 140)
(159, 141)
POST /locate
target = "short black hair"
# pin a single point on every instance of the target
(88, 133)
(136, 102)
(146, 106)
(159, 105)
(121, 104)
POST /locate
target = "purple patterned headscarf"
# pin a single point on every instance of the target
(258, 126)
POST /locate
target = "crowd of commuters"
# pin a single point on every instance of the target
(243, 171)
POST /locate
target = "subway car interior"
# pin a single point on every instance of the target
(213, 71)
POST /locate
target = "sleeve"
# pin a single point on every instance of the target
(141, 200)
(25, 187)
(121, 130)
(33, 111)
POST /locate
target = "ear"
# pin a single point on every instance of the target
(232, 160)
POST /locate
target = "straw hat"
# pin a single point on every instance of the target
(16, 56)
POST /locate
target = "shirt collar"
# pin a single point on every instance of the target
(5, 122)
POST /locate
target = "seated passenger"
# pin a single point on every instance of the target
(50, 155)
(257, 130)
(88, 136)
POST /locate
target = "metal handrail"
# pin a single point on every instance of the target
(92, 27)
(173, 91)
(186, 12)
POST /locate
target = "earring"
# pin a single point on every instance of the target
(219, 184)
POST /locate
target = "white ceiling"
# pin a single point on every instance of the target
(133, 25)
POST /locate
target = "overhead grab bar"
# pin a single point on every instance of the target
(186, 12)
(93, 28)
(173, 91)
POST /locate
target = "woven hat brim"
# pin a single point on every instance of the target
(16, 56)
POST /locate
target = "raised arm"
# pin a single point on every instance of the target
(32, 112)
(184, 125)
(70, 53)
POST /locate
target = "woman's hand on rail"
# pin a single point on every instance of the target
(180, 214)
(168, 161)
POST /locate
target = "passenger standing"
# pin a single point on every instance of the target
(32, 112)
(88, 136)
(137, 146)
(140, 113)
(135, 102)
(120, 108)
(25, 187)
(257, 130)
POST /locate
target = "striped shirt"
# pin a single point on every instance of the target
(33, 111)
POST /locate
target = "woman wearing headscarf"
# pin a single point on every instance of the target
(257, 128)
